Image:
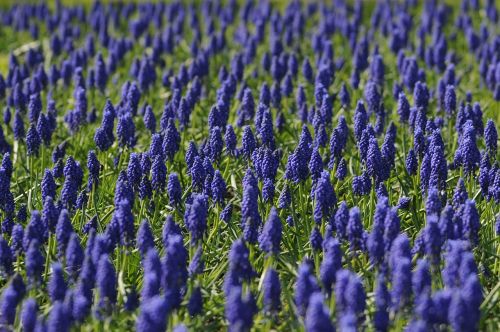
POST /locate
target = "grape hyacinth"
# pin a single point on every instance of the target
(230, 165)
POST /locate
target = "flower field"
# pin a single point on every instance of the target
(250, 165)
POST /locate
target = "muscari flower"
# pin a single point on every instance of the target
(316, 239)
(349, 294)
(33, 141)
(305, 286)
(240, 310)
(239, 260)
(74, 256)
(48, 185)
(332, 262)
(125, 219)
(401, 283)
(106, 284)
(34, 262)
(345, 98)
(433, 202)
(382, 301)
(315, 164)
(8, 304)
(374, 162)
(196, 218)
(355, 229)
(158, 174)
(271, 291)
(145, 238)
(471, 222)
(57, 285)
(125, 131)
(491, 137)
(6, 258)
(197, 172)
(468, 154)
(248, 141)
(372, 97)
(94, 167)
(153, 314)
(403, 107)
(134, 171)
(152, 275)
(317, 316)
(375, 241)
(197, 265)
(174, 266)
(230, 140)
(35, 230)
(29, 315)
(450, 100)
(19, 131)
(195, 304)
(218, 187)
(149, 119)
(171, 140)
(64, 229)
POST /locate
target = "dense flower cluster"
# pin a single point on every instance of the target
(250, 164)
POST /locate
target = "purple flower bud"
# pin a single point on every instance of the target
(325, 198)
(317, 316)
(134, 171)
(372, 97)
(305, 286)
(197, 265)
(34, 262)
(240, 310)
(152, 275)
(458, 315)
(149, 119)
(355, 229)
(153, 314)
(48, 185)
(332, 262)
(125, 131)
(248, 141)
(19, 131)
(315, 164)
(450, 100)
(433, 203)
(231, 140)
(145, 188)
(401, 283)
(158, 173)
(94, 167)
(74, 256)
(344, 96)
(491, 137)
(57, 285)
(470, 219)
(28, 315)
(6, 258)
(218, 187)
(272, 291)
(195, 304)
(403, 107)
(33, 141)
(174, 266)
(106, 284)
(64, 229)
(124, 217)
(171, 140)
(196, 217)
(35, 230)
